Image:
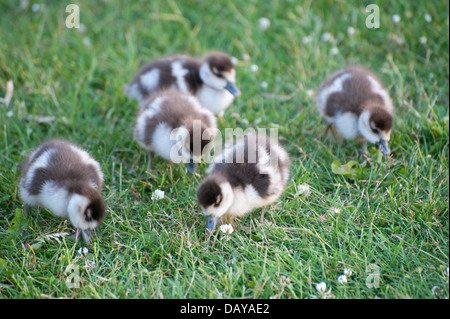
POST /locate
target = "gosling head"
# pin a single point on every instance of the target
(85, 213)
(375, 125)
(215, 196)
(218, 71)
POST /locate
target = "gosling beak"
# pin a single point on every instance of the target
(86, 235)
(384, 147)
(191, 167)
(210, 223)
(231, 87)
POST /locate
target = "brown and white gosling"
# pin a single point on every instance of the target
(63, 178)
(356, 103)
(174, 126)
(251, 173)
(212, 80)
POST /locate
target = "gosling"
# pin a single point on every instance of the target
(212, 80)
(174, 126)
(63, 178)
(355, 103)
(251, 173)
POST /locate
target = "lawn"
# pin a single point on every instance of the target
(386, 222)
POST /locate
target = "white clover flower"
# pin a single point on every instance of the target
(10, 113)
(87, 42)
(423, 40)
(82, 28)
(245, 56)
(334, 51)
(342, 279)
(83, 251)
(306, 39)
(396, 18)
(335, 210)
(158, 194)
(321, 287)
(264, 23)
(350, 30)
(35, 7)
(226, 228)
(264, 84)
(326, 37)
(436, 290)
(234, 60)
(310, 93)
(254, 68)
(427, 17)
(303, 189)
(348, 272)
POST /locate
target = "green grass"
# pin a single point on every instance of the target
(395, 214)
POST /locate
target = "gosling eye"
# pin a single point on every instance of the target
(88, 215)
(218, 201)
(219, 75)
(376, 131)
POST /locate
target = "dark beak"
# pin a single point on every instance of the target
(384, 147)
(210, 223)
(191, 167)
(86, 235)
(231, 87)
